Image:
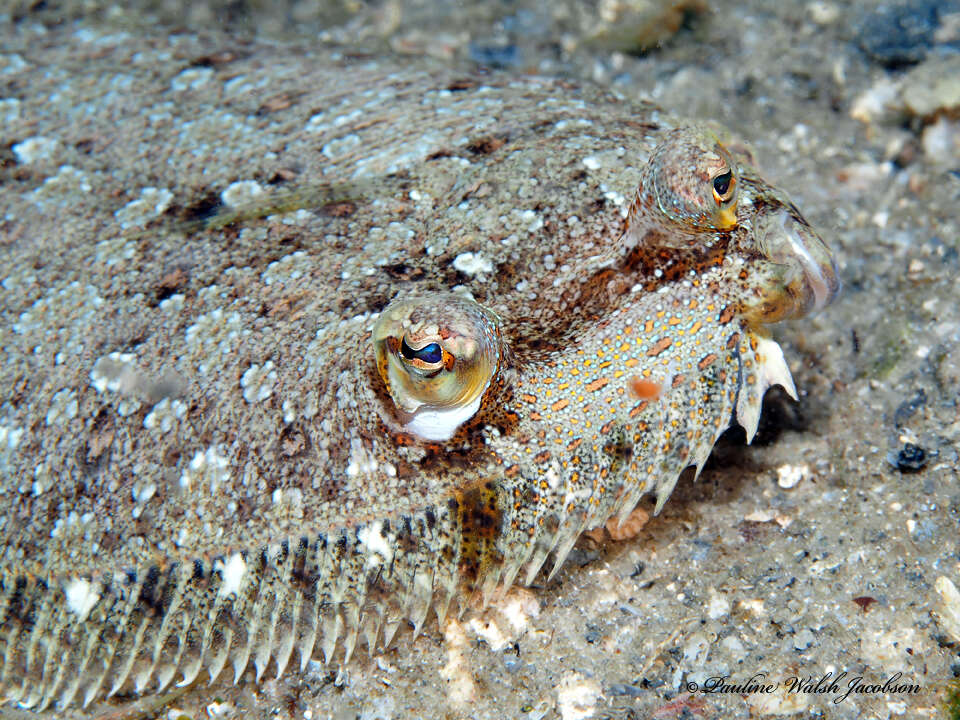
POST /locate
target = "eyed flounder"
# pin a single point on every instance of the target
(291, 358)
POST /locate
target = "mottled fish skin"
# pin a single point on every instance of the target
(202, 464)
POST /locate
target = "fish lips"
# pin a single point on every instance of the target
(809, 271)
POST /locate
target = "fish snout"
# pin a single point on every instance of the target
(808, 270)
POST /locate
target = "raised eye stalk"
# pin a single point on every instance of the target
(694, 180)
(437, 356)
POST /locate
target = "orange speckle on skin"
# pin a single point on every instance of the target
(661, 345)
(596, 384)
(644, 389)
(634, 412)
(559, 405)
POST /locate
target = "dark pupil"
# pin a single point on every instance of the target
(721, 183)
(428, 353)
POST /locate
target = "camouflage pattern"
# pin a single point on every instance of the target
(205, 462)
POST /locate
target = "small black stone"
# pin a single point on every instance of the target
(909, 407)
(900, 34)
(494, 55)
(911, 458)
(624, 689)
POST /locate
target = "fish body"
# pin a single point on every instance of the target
(288, 364)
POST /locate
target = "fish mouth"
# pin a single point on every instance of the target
(809, 272)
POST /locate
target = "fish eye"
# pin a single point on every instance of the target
(693, 180)
(722, 185)
(436, 355)
(430, 354)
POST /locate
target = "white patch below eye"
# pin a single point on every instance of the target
(440, 425)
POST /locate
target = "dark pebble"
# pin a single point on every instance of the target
(911, 458)
(622, 689)
(896, 35)
(908, 407)
(496, 56)
(701, 550)
(512, 663)
(582, 556)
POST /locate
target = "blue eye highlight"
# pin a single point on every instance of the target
(430, 354)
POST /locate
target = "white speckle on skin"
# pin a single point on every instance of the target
(214, 334)
(191, 79)
(113, 372)
(35, 149)
(209, 466)
(10, 436)
(63, 407)
(9, 109)
(258, 381)
(361, 460)
(173, 304)
(142, 492)
(371, 537)
(472, 263)
(233, 571)
(336, 149)
(152, 203)
(242, 193)
(219, 708)
(59, 191)
(615, 197)
(82, 596)
(12, 63)
(591, 163)
(164, 414)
